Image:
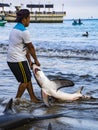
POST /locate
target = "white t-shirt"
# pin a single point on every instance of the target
(18, 39)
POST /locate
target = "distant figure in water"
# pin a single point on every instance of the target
(79, 21)
(85, 34)
(75, 22)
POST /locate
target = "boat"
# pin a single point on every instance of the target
(3, 22)
(75, 22)
(46, 16)
(2, 15)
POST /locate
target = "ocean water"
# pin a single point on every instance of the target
(63, 53)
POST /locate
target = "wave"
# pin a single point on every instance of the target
(69, 53)
(59, 52)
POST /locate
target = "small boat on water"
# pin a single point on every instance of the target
(75, 22)
(3, 22)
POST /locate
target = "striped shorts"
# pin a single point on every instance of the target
(21, 71)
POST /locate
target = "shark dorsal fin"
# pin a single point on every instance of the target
(8, 108)
(80, 90)
(61, 83)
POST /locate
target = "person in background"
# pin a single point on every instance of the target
(75, 22)
(79, 21)
(19, 52)
(85, 34)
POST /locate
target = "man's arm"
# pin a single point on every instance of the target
(31, 50)
(29, 58)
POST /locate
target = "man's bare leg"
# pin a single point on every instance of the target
(21, 89)
(31, 92)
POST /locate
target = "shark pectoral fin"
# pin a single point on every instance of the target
(45, 98)
(80, 90)
(61, 83)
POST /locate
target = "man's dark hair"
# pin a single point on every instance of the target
(23, 13)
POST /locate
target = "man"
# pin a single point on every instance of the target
(19, 52)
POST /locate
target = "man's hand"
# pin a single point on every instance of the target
(31, 64)
(37, 62)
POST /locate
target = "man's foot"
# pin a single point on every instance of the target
(35, 100)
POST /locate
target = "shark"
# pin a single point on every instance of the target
(10, 119)
(51, 88)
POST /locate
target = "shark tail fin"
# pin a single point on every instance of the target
(9, 106)
(80, 90)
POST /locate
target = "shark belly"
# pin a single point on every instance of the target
(65, 96)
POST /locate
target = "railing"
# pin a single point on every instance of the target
(44, 12)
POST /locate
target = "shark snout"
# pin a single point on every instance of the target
(36, 70)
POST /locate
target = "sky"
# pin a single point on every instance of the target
(73, 8)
